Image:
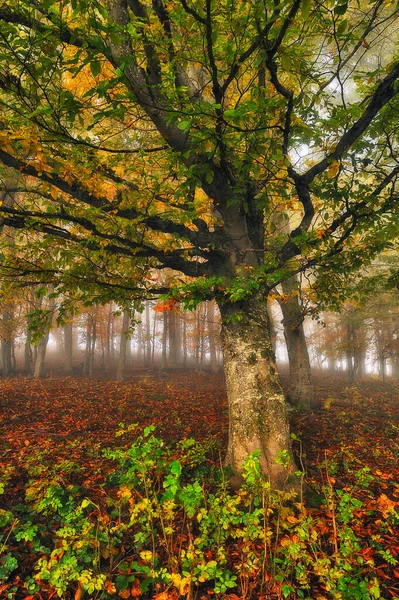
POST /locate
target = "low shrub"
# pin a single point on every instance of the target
(166, 526)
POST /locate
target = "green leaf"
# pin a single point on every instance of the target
(341, 9)
(184, 125)
(342, 26)
(95, 67)
(306, 8)
(286, 61)
(175, 467)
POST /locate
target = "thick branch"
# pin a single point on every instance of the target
(385, 91)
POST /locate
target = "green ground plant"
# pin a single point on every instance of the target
(167, 526)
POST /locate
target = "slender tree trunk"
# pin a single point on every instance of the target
(125, 338)
(349, 353)
(93, 343)
(107, 357)
(257, 407)
(174, 339)
(140, 344)
(147, 346)
(28, 355)
(68, 347)
(300, 392)
(153, 339)
(42, 344)
(184, 336)
(165, 319)
(211, 336)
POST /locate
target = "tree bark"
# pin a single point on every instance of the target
(301, 391)
(257, 407)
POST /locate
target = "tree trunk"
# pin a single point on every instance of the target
(147, 346)
(184, 336)
(349, 353)
(300, 392)
(165, 319)
(258, 418)
(7, 341)
(174, 338)
(28, 354)
(272, 329)
(125, 338)
(140, 344)
(41, 347)
(68, 347)
(211, 336)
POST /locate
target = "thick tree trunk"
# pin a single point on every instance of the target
(6, 357)
(7, 341)
(257, 407)
(125, 339)
(272, 329)
(300, 392)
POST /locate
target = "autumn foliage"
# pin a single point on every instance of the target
(95, 504)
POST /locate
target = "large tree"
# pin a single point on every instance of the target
(156, 134)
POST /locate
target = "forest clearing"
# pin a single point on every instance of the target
(55, 431)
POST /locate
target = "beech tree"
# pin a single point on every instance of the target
(155, 134)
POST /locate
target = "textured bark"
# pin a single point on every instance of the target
(6, 358)
(301, 391)
(257, 408)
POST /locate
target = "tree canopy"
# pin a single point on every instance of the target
(178, 134)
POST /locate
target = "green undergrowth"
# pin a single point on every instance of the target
(166, 525)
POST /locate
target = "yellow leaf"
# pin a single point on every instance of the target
(333, 170)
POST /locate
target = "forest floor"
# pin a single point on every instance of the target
(64, 419)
